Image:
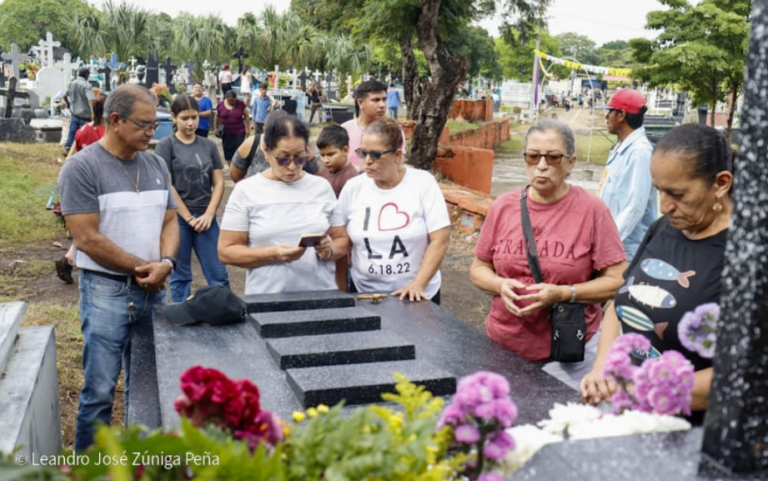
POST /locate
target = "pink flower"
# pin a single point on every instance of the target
(505, 440)
(466, 433)
(453, 414)
(494, 451)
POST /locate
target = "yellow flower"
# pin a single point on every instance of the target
(366, 430)
(311, 412)
(322, 409)
(298, 416)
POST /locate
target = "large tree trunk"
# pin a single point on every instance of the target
(431, 109)
(732, 108)
(412, 87)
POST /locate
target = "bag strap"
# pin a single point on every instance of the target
(530, 243)
(254, 146)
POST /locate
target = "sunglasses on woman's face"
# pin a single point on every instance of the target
(373, 154)
(285, 161)
(552, 158)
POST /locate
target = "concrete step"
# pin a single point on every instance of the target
(313, 322)
(364, 383)
(344, 348)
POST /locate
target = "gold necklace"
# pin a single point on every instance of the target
(138, 170)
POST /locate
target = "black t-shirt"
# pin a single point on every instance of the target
(669, 276)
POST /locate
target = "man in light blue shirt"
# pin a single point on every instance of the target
(628, 189)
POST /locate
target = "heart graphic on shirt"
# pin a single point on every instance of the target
(390, 218)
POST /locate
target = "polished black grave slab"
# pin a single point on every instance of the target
(440, 340)
(298, 301)
(331, 384)
(318, 321)
(343, 348)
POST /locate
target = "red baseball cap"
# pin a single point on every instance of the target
(629, 100)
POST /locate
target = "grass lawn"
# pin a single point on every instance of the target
(456, 126)
(28, 175)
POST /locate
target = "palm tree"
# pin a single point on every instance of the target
(199, 38)
(122, 28)
(346, 57)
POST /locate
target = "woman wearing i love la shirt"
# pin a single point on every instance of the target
(396, 219)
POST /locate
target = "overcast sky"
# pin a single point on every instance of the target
(601, 20)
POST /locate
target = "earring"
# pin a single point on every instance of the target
(718, 207)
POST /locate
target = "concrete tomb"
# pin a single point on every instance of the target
(29, 386)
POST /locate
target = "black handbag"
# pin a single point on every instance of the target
(568, 319)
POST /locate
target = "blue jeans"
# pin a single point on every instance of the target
(110, 310)
(206, 248)
(74, 124)
(393, 112)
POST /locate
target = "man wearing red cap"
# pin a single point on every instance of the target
(627, 188)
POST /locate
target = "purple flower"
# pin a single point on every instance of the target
(628, 343)
(618, 365)
(494, 451)
(453, 414)
(490, 477)
(663, 401)
(466, 433)
(709, 312)
(480, 388)
(697, 329)
(621, 400)
(505, 440)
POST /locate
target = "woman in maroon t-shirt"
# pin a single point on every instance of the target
(233, 115)
(575, 237)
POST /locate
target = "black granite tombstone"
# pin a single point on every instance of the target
(319, 321)
(445, 348)
(736, 425)
(153, 75)
(169, 69)
(303, 79)
(106, 70)
(11, 94)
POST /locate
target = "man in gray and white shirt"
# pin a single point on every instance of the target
(116, 199)
(79, 97)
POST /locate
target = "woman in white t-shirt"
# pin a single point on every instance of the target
(246, 82)
(225, 79)
(396, 219)
(268, 214)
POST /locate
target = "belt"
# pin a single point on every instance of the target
(114, 277)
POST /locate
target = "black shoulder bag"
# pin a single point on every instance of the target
(569, 325)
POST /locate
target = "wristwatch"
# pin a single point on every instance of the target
(171, 262)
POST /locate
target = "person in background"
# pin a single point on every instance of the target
(246, 83)
(232, 115)
(372, 100)
(396, 219)
(333, 144)
(575, 238)
(627, 189)
(267, 214)
(263, 104)
(85, 136)
(78, 99)
(198, 186)
(206, 110)
(225, 79)
(316, 98)
(679, 263)
(393, 100)
(250, 159)
(116, 199)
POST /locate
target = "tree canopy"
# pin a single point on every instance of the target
(702, 48)
(25, 22)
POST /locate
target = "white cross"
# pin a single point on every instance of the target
(66, 65)
(133, 63)
(277, 76)
(48, 45)
(14, 57)
(318, 75)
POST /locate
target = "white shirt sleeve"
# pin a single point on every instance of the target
(236, 216)
(435, 210)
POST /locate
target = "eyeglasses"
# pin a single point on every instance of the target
(552, 158)
(373, 154)
(613, 110)
(285, 161)
(144, 125)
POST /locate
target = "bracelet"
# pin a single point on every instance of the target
(573, 294)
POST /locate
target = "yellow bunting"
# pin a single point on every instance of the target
(622, 72)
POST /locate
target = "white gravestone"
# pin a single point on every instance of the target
(50, 81)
